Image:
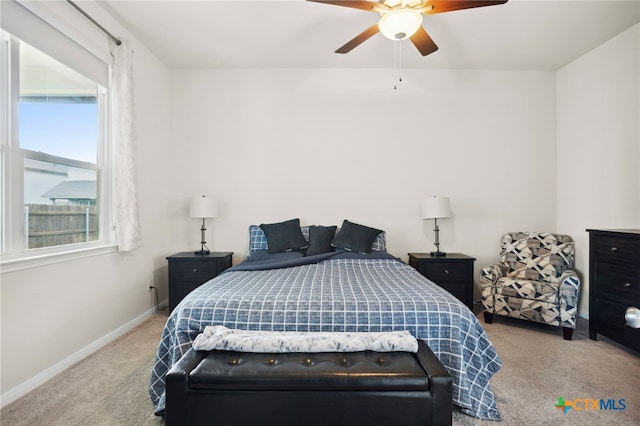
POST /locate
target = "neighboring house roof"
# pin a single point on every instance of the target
(73, 190)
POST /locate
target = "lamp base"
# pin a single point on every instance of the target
(201, 252)
(438, 254)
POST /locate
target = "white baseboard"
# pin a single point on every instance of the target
(40, 378)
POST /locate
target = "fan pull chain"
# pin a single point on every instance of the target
(397, 51)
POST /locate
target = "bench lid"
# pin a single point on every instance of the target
(379, 371)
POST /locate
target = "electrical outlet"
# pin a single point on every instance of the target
(149, 284)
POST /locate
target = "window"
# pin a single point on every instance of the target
(54, 159)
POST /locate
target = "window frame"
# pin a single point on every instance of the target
(14, 253)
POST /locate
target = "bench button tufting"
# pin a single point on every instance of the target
(345, 361)
(271, 362)
(234, 362)
(308, 361)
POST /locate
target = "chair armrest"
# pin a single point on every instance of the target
(568, 298)
(569, 284)
(489, 274)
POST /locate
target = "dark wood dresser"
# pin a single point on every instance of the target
(187, 271)
(453, 272)
(614, 283)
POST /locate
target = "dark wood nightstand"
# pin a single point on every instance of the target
(187, 271)
(453, 272)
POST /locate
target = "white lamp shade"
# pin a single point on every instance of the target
(203, 207)
(436, 208)
(400, 24)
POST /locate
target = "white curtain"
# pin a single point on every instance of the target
(128, 229)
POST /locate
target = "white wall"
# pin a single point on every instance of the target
(54, 315)
(325, 145)
(598, 103)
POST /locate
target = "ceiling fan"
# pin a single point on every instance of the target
(402, 19)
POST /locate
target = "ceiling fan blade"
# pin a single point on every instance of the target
(359, 39)
(422, 41)
(441, 6)
(355, 4)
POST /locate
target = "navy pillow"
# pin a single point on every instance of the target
(355, 237)
(320, 239)
(284, 236)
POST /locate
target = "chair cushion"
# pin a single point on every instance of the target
(527, 289)
(531, 310)
(536, 255)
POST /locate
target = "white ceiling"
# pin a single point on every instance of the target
(518, 35)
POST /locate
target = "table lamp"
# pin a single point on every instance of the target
(436, 208)
(203, 207)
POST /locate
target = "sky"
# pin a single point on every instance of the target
(67, 130)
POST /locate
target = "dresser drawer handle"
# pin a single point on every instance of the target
(195, 269)
(446, 272)
(614, 249)
(627, 285)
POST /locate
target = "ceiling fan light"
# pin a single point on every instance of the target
(400, 24)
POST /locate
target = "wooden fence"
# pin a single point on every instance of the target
(54, 225)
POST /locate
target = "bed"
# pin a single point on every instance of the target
(337, 279)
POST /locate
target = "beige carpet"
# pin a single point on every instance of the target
(539, 367)
(107, 388)
(110, 386)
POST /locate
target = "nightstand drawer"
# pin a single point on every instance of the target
(182, 288)
(195, 271)
(445, 271)
(458, 289)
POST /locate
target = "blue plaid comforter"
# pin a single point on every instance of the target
(340, 295)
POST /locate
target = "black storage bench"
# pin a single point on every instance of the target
(292, 389)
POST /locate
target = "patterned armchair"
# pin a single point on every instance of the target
(534, 280)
